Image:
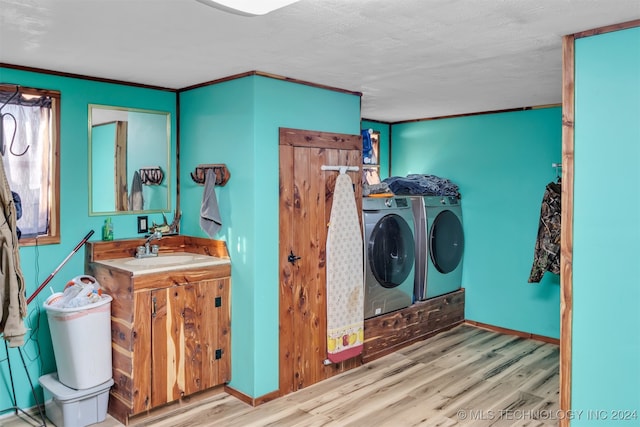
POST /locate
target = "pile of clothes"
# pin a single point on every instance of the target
(422, 185)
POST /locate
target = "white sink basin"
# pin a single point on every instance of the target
(161, 260)
(164, 263)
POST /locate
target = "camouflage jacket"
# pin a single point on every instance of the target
(547, 250)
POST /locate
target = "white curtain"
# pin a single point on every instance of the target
(28, 174)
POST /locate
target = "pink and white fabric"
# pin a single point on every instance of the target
(345, 275)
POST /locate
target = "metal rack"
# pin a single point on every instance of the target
(14, 407)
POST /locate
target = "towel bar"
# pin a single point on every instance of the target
(341, 169)
(221, 171)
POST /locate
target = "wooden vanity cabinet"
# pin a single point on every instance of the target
(171, 331)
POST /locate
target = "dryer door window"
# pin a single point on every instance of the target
(391, 251)
(446, 242)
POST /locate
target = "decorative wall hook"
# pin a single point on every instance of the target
(15, 126)
(220, 169)
(151, 175)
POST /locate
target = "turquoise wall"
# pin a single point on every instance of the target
(216, 126)
(606, 236)
(502, 163)
(236, 122)
(385, 134)
(39, 262)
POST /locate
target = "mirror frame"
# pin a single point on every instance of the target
(167, 172)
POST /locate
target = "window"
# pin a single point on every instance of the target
(29, 144)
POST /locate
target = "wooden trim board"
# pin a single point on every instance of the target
(507, 331)
(566, 234)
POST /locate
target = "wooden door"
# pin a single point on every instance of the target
(190, 337)
(306, 195)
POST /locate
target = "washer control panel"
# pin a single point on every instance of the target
(402, 202)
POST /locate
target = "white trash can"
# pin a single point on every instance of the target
(81, 338)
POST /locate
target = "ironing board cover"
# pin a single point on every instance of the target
(345, 276)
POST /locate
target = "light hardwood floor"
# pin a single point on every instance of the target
(463, 377)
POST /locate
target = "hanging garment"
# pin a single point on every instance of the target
(345, 276)
(210, 220)
(136, 201)
(12, 289)
(367, 147)
(547, 250)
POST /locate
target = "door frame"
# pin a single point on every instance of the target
(566, 237)
(566, 230)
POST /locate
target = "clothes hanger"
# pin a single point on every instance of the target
(558, 167)
(3, 146)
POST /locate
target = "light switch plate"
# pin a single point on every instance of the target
(143, 224)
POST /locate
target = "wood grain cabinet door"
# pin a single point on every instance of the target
(190, 339)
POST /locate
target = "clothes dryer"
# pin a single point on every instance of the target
(388, 254)
(439, 245)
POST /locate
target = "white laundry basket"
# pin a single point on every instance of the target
(81, 338)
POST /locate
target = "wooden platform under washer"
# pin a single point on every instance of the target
(393, 331)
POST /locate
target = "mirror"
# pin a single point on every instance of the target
(129, 164)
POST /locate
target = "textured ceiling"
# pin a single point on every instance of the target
(411, 59)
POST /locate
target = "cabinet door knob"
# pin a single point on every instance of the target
(292, 258)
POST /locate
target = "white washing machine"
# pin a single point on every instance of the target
(439, 245)
(388, 254)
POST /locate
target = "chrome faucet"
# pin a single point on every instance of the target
(149, 250)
